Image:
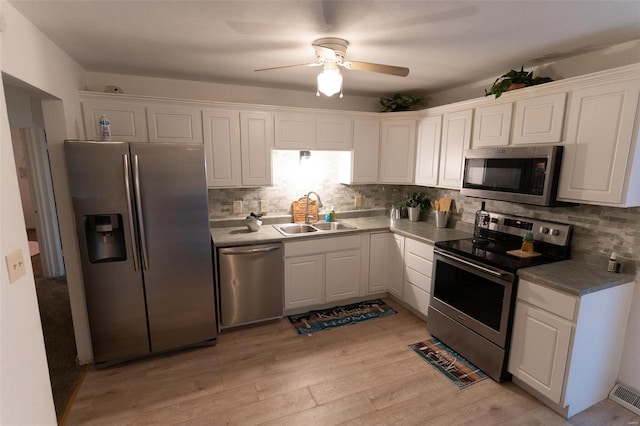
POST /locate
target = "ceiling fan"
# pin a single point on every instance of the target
(330, 54)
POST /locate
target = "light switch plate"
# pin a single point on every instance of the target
(15, 265)
(237, 207)
(264, 206)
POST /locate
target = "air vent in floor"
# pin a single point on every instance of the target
(627, 397)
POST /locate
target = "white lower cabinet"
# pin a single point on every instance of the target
(317, 271)
(385, 263)
(418, 265)
(567, 349)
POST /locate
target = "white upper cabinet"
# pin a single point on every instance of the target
(360, 165)
(334, 132)
(174, 123)
(456, 137)
(128, 120)
(539, 119)
(221, 132)
(397, 151)
(294, 130)
(492, 125)
(428, 151)
(313, 131)
(601, 159)
(256, 140)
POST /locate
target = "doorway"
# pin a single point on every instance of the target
(37, 198)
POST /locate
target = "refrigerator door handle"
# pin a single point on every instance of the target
(136, 188)
(132, 229)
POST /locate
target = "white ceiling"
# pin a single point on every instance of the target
(444, 43)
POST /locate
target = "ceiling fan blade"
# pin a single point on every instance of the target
(379, 68)
(313, 64)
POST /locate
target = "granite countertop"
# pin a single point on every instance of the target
(424, 231)
(570, 276)
(576, 278)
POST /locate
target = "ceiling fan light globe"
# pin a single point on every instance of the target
(330, 82)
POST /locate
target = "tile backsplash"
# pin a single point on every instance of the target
(598, 230)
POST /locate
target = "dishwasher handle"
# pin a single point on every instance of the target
(234, 251)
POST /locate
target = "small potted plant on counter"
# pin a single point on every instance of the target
(416, 202)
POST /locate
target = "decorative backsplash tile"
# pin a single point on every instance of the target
(597, 229)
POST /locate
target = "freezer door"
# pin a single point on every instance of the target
(114, 292)
(175, 243)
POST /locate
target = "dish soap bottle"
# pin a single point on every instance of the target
(612, 266)
(332, 215)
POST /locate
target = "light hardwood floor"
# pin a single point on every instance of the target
(362, 374)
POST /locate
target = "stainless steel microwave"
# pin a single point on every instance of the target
(527, 175)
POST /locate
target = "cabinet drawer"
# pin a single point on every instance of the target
(556, 302)
(420, 249)
(416, 297)
(419, 264)
(321, 245)
(418, 279)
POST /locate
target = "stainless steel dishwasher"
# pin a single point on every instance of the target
(251, 284)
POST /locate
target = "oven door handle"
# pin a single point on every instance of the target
(473, 265)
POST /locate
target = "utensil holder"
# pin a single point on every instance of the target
(442, 218)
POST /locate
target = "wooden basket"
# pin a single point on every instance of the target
(299, 208)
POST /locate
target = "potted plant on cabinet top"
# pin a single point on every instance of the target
(399, 102)
(415, 202)
(514, 80)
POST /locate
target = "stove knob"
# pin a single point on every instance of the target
(554, 232)
(544, 230)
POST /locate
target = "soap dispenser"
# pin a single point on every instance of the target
(332, 215)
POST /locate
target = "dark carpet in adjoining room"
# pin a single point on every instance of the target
(59, 341)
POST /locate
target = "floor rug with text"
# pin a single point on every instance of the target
(447, 361)
(324, 319)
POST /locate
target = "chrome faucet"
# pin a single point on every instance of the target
(306, 214)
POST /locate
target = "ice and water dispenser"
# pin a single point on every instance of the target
(105, 238)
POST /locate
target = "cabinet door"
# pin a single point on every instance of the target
(456, 137)
(303, 281)
(539, 119)
(599, 141)
(174, 124)
(395, 273)
(256, 137)
(361, 164)
(492, 125)
(342, 275)
(540, 350)
(428, 151)
(221, 134)
(397, 151)
(334, 132)
(128, 121)
(379, 261)
(294, 130)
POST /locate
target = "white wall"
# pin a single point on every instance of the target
(26, 55)
(147, 86)
(600, 60)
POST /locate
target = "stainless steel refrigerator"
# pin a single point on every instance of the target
(141, 214)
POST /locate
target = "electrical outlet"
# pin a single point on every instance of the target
(264, 206)
(357, 201)
(15, 265)
(237, 207)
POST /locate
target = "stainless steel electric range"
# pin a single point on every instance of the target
(475, 284)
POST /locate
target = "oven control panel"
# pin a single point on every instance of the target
(542, 230)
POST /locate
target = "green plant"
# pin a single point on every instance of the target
(417, 199)
(520, 79)
(399, 102)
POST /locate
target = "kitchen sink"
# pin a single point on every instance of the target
(303, 228)
(332, 226)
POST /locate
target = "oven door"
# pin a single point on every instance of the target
(476, 296)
